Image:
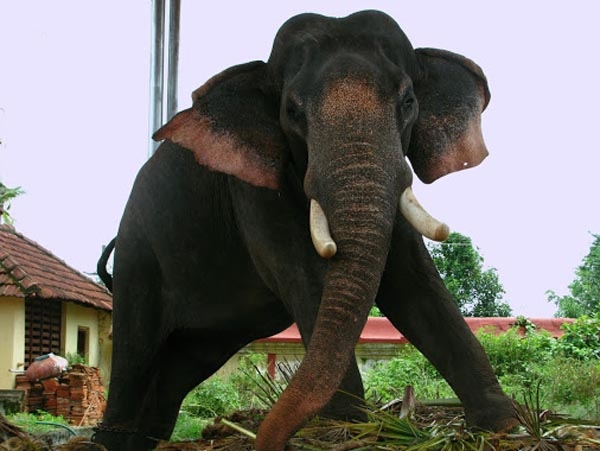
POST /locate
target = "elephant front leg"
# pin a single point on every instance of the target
(413, 296)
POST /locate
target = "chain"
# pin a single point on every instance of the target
(114, 429)
(119, 430)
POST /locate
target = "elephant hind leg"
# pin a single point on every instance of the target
(136, 340)
(185, 363)
(192, 357)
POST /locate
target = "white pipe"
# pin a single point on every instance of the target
(173, 62)
(157, 62)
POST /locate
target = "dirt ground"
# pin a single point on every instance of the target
(337, 436)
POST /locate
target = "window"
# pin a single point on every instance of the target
(83, 340)
(42, 328)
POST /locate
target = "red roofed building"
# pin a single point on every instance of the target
(379, 339)
(47, 306)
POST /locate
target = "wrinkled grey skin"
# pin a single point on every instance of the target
(214, 249)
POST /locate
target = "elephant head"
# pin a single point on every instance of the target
(333, 116)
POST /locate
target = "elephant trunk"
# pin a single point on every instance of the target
(361, 203)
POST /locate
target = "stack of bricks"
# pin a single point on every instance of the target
(77, 395)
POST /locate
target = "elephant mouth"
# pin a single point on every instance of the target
(410, 208)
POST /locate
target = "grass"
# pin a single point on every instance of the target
(37, 423)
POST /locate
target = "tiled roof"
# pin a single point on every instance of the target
(29, 270)
(381, 330)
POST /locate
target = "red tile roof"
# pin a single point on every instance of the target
(381, 330)
(29, 270)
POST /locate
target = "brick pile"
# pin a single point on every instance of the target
(77, 395)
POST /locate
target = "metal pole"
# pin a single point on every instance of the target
(173, 64)
(156, 70)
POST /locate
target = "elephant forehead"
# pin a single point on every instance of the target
(349, 98)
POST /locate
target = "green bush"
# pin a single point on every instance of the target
(76, 359)
(188, 427)
(571, 381)
(386, 380)
(211, 398)
(581, 339)
(251, 382)
(567, 369)
(511, 354)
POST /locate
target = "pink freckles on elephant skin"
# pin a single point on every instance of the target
(349, 99)
(465, 152)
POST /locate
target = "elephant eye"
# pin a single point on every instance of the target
(409, 102)
(293, 118)
(407, 106)
(293, 110)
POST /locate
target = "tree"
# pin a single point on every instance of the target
(475, 291)
(6, 196)
(584, 297)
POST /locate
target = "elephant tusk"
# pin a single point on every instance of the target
(319, 231)
(422, 221)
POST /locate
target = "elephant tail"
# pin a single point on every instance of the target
(104, 275)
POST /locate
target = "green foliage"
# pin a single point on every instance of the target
(211, 398)
(375, 312)
(581, 339)
(563, 373)
(584, 297)
(75, 359)
(566, 371)
(386, 380)
(252, 383)
(218, 397)
(188, 426)
(570, 381)
(30, 422)
(512, 354)
(477, 292)
(6, 196)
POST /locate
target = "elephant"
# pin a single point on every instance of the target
(283, 194)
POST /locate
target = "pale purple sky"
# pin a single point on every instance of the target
(74, 115)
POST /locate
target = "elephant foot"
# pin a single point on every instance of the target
(110, 440)
(497, 414)
(118, 440)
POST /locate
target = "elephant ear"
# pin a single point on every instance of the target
(232, 126)
(452, 94)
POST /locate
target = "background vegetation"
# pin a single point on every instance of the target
(6, 196)
(566, 370)
(476, 291)
(584, 297)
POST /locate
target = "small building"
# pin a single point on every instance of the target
(47, 306)
(378, 341)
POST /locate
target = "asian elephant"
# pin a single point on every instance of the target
(215, 247)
